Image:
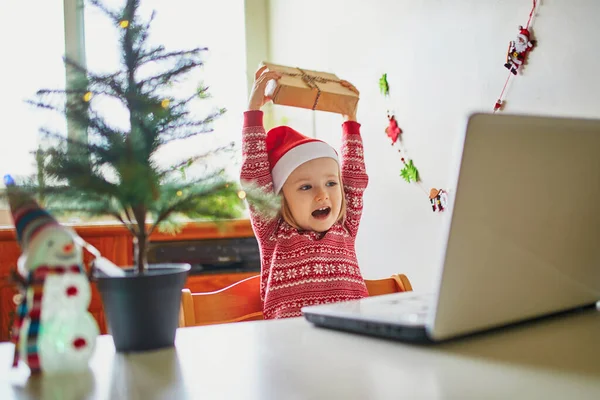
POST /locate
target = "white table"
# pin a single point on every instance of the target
(291, 359)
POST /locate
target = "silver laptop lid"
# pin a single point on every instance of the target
(524, 235)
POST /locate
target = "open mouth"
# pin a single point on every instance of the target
(321, 213)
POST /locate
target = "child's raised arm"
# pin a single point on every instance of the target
(255, 162)
(354, 174)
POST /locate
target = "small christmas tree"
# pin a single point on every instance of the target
(114, 172)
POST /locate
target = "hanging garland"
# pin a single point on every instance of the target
(438, 198)
(516, 57)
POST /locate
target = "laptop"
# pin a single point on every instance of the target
(522, 241)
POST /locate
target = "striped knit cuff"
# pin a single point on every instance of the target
(351, 128)
(253, 118)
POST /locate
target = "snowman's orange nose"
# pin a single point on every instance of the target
(67, 248)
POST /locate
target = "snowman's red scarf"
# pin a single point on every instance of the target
(35, 281)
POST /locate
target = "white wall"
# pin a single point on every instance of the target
(444, 60)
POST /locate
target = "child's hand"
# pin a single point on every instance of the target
(349, 115)
(261, 78)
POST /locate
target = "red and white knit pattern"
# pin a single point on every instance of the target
(300, 268)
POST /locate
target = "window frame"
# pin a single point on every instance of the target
(257, 27)
(257, 46)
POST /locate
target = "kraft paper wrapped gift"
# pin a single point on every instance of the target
(310, 89)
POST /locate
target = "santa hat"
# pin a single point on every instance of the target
(288, 149)
(29, 218)
(524, 33)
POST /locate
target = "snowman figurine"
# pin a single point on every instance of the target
(53, 330)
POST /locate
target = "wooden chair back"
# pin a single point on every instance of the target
(241, 301)
(395, 283)
(235, 303)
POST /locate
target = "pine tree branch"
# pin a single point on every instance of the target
(81, 92)
(200, 94)
(186, 130)
(95, 121)
(262, 202)
(189, 161)
(144, 36)
(44, 106)
(165, 77)
(72, 201)
(87, 148)
(152, 57)
(172, 120)
(80, 177)
(187, 135)
(111, 80)
(45, 92)
(48, 190)
(185, 200)
(87, 203)
(172, 190)
(197, 185)
(128, 225)
(129, 218)
(110, 13)
(83, 116)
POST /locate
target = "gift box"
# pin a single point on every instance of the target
(309, 89)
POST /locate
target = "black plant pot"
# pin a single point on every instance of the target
(142, 311)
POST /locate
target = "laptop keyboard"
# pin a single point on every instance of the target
(399, 308)
(409, 308)
(418, 303)
(416, 307)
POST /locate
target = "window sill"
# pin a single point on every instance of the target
(189, 231)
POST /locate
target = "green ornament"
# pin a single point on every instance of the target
(410, 173)
(384, 86)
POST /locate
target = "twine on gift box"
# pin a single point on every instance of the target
(310, 81)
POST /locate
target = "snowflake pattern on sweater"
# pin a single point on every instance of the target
(300, 268)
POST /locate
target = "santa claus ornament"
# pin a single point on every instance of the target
(518, 50)
(516, 57)
(409, 171)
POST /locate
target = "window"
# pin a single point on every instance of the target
(179, 24)
(35, 46)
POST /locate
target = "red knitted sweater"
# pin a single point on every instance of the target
(301, 268)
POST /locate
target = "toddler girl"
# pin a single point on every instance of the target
(307, 251)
